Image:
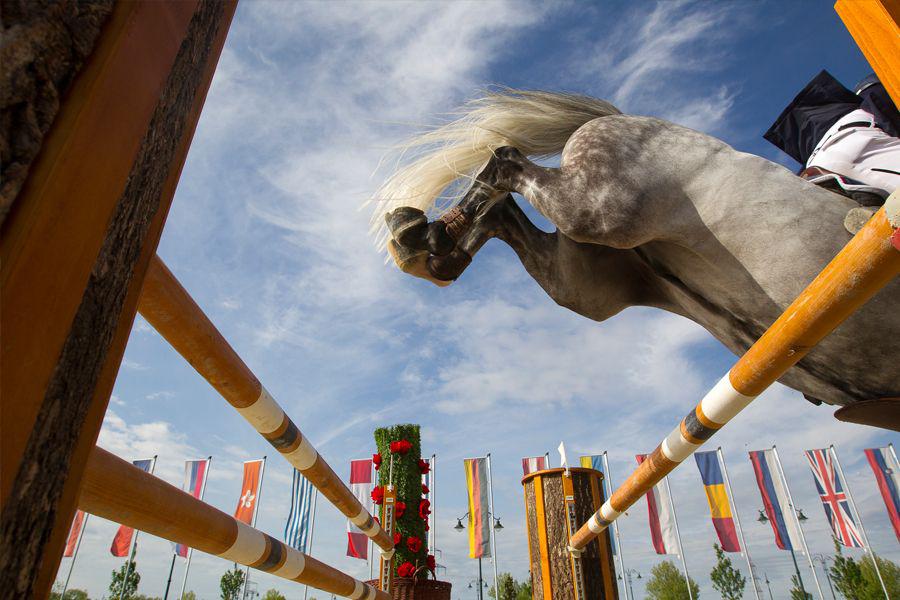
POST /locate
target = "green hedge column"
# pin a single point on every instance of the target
(408, 486)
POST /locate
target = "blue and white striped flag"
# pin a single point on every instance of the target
(296, 532)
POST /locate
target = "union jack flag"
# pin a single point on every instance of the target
(834, 499)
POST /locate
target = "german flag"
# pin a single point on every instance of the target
(479, 519)
(717, 496)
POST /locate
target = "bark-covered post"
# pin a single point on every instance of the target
(550, 562)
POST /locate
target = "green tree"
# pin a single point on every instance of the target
(509, 587)
(71, 594)
(846, 575)
(798, 593)
(524, 592)
(726, 580)
(274, 594)
(231, 583)
(189, 596)
(118, 587)
(871, 587)
(667, 583)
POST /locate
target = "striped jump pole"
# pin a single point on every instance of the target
(117, 490)
(173, 313)
(865, 265)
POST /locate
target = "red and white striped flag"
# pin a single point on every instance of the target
(361, 485)
(662, 521)
(534, 463)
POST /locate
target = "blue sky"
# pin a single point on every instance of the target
(267, 234)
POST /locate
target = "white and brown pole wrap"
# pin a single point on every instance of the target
(173, 313)
(865, 265)
(116, 490)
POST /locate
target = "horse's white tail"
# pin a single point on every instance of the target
(436, 168)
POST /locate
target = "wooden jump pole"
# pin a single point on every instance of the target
(117, 490)
(866, 264)
(173, 313)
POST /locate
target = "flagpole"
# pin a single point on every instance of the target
(493, 516)
(262, 473)
(432, 518)
(74, 555)
(169, 580)
(607, 480)
(687, 578)
(312, 532)
(862, 528)
(134, 541)
(187, 566)
(787, 489)
(737, 520)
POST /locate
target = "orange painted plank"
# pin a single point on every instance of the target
(875, 27)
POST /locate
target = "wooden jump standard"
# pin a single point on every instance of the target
(173, 313)
(866, 264)
(117, 490)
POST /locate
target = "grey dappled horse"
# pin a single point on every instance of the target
(648, 213)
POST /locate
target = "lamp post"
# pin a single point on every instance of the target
(821, 558)
(628, 574)
(769, 587)
(497, 527)
(800, 517)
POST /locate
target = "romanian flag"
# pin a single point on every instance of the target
(593, 462)
(717, 496)
(596, 462)
(479, 519)
(122, 541)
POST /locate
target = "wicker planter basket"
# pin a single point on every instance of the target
(407, 588)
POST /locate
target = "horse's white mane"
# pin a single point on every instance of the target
(436, 168)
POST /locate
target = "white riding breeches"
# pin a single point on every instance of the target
(861, 152)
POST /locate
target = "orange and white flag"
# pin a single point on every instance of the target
(249, 491)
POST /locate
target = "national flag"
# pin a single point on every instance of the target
(662, 521)
(595, 461)
(74, 532)
(296, 531)
(563, 456)
(479, 519)
(122, 541)
(834, 499)
(717, 497)
(775, 499)
(195, 472)
(361, 485)
(535, 463)
(249, 491)
(887, 474)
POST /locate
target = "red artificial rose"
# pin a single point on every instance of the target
(413, 543)
(401, 447)
(376, 460)
(430, 562)
(425, 489)
(424, 508)
(407, 569)
(399, 509)
(427, 526)
(378, 494)
(424, 467)
(397, 539)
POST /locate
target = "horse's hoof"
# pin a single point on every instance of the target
(440, 243)
(413, 262)
(448, 268)
(408, 226)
